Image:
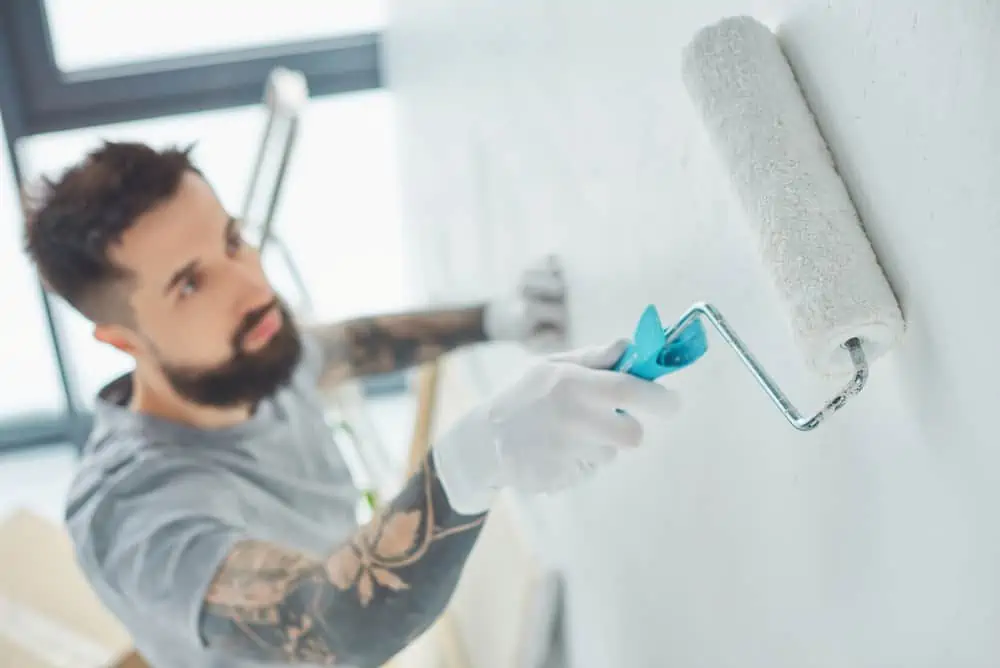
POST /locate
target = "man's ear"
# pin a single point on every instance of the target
(118, 337)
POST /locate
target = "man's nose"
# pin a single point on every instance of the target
(254, 290)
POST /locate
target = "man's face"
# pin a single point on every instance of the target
(205, 313)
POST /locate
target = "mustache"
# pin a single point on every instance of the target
(253, 319)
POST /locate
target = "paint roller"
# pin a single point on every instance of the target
(843, 312)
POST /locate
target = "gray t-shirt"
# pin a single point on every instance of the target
(156, 507)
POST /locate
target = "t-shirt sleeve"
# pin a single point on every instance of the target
(157, 538)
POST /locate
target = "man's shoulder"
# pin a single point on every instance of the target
(149, 521)
(129, 473)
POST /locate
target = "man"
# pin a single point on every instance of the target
(212, 514)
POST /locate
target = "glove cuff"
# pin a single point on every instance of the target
(502, 320)
(467, 463)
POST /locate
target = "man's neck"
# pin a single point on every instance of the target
(154, 398)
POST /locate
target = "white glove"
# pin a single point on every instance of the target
(549, 430)
(536, 314)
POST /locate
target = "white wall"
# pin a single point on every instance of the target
(732, 540)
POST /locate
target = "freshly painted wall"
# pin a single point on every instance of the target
(731, 539)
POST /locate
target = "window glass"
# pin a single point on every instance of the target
(31, 384)
(97, 33)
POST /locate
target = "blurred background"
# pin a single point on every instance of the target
(442, 147)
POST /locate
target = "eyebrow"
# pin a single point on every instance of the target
(189, 269)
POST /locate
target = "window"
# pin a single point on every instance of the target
(111, 32)
(338, 215)
(31, 385)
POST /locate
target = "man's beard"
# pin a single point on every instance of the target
(245, 378)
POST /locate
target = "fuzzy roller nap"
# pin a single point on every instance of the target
(784, 176)
(843, 311)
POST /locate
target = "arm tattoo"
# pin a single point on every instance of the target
(380, 344)
(360, 605)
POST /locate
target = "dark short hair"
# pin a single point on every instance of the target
(73, 220)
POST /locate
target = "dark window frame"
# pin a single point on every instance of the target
(54, 100)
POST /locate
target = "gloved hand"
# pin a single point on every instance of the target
(548, 430)
(535, 315)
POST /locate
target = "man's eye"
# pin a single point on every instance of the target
(235, 243)
(188, 287)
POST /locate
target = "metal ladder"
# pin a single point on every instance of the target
(286, 96)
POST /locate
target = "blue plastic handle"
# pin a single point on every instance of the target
(650, 357)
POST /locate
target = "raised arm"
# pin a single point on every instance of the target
(366, 601)
(380, 344)
(534, 315)
(360, 605)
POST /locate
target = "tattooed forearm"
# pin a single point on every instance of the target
(380, 344)
(358, 606)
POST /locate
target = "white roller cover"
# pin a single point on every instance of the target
(809, 233)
